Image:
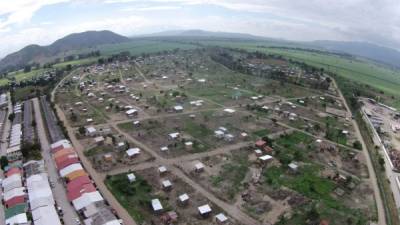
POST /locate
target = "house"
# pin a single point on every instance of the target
(178, 108)
(131, 112)
(162, 169)
(156, 205)
(136, 123)
(230, 111)
(199, 167)
(261, 144)
(183, 199)
(91, 131)
(89, 120)
(87, 199)
(258, 152)
(293, 167)
(121, 145)
(265, 158)
(14, 153)
(174, 136)
(164, 148)
(204, 210)
(219, 134)
(188, 145)
(221, 218)
(133, 152)
(99, 140)
(131, 177)
(229, 137)
(108, 157)
(166, 185)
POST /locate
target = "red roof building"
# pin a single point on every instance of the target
(260, 143)
(66, 160)
(13, 171)
(324, 222)
(15, 201)
(78, 183)
(76, 193)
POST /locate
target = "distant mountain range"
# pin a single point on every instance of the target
(203, 33)
(378, 53)
(36, 53)
(90, 39)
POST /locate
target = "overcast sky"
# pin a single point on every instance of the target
(24, 22)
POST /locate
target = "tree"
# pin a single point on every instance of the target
(11, 116)
(382, 162)
(3, 162)
(33, 123)
(81, 130)
(27, 69)
(357, 145)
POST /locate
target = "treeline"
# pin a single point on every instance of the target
(345, 55)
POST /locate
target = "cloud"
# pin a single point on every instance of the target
(152, 8)
(20, 11)
(354, 20)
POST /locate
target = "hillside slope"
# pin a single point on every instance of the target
(381, 54)
(36, 53)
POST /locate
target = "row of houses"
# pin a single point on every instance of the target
(28, 197)
(14, 146)
(3, 100)
(81, 190)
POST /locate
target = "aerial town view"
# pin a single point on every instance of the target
(104, 122)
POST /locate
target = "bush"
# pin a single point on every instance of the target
(357, 145)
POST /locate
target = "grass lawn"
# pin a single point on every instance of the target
(307, 182)
(199, 131)
(232, 174)
(135, 197)
(97, 150)
(261, 133)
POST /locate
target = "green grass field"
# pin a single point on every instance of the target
(137, 47)
(360, 70)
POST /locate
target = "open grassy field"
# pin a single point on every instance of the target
(139, 46)
(360, 70)
(20, 76)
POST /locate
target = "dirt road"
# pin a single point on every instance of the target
(371, 171)
(59, 191)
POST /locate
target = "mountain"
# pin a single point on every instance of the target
(378, 53)
(36, 53)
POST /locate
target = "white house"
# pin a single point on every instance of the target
(183, 198)
(221, 218)
(174, 136)
(199, 167)
(90, 131)
(204, 210)
(132, 152)
(131, 112)
(131, 177)
(178, 108)
(156, 205)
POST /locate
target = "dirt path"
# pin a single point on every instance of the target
(59, 191)
(371, 171)
(232, 210)
(178, 160)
